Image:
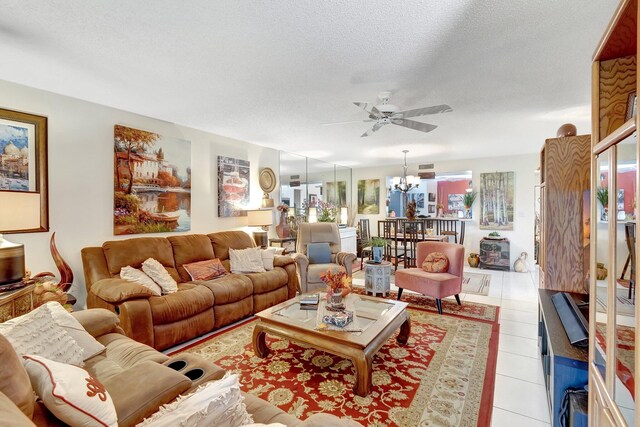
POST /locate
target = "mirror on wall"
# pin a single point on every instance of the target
(442, 196)
(293, 182)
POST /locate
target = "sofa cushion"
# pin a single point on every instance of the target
(315, 270)
(190, 248)
(319, 253)
(269, 280)
(133, 252)
(229, 288)
(14, 381)
(71, 393)
(205, 270)
(224, 240)
(189, 300)
(134, 275)
(263, 412)
(10, 414)
(435, 262)
(37, 333)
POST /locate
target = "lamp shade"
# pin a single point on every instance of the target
(344, 215)
(260, 218)
(19, 211)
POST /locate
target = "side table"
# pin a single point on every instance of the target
(495, 254)
(16, 303)
(288, 243)
(377, 277)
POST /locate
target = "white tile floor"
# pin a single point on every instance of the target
(519, 395)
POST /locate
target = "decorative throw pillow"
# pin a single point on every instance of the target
(70, 393)
(268, 255)
(64, 319)
(159, 274)
(319, 253)
(37, 333)
(216, 403)
(131, 274)
(205, 270)
(436, 262)
(246, 260)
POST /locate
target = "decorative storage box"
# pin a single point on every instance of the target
(495, 254)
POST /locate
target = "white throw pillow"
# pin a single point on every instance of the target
(70, 393)
(216, 403)
(64, 319)
(160, 275)
(131, 274)
(246, 260)
(37, 333)
(268, 255)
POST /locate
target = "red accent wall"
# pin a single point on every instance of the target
(450, 187)
(626, 182)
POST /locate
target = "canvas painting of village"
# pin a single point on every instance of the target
(233, 186)
(152, 182)
(17, 156)
(496, 200)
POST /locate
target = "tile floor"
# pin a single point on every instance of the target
(519, 395)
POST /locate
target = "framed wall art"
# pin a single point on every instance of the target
(368, 196)
(496, 200)
(152, 182)
(23, 165)
(233, 186)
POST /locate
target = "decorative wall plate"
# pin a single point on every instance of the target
(267, 180)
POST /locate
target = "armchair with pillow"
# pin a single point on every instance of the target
(438, 274)
(318, 248)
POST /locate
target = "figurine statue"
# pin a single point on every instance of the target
(520, 265)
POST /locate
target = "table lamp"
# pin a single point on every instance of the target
(18, 211)
(260, 218)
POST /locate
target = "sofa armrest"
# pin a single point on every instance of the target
(139, 391)
(98, 321)
(116, 291)
(282, 260)
(346, 259)
(302, 264)
(328, 420)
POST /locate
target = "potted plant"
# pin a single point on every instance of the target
(602, 194)
(377, 244)
(468, 200)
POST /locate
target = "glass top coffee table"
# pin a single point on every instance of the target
(378, 320)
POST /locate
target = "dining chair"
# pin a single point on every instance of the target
(413, 233)
(388, 229)
(630, 237)
(448, 227)
(365, 236)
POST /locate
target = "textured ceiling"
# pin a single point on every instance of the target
(271, 72)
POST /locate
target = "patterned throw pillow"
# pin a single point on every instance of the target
(205, 270)
(159, 274)
(246, 260)
(38, 333)
(268, 256)
(89, 345)
(70, 393)
(131, 274)
(436, 262)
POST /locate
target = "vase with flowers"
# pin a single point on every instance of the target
(283, 229)
(338, 286)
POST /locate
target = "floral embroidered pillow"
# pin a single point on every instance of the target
(205, 270)
(70, 393)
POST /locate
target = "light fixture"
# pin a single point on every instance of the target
(19, 211)
(313, 215)
(344, 215)
(405, 182)
(470, 187)
(260, 218)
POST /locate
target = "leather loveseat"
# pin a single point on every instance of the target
(138, 378)
(197, 307)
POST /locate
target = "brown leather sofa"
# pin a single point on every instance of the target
(122, 368)
(199, 306)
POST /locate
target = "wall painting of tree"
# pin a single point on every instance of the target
(152, 182)
(496, 200)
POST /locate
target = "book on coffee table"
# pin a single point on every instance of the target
(310, 299)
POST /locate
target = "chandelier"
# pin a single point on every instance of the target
(405, 182)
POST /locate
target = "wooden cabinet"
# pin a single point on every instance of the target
(495, 254)
(565, 166)
(16, 303)
(613, 311)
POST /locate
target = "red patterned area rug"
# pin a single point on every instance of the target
(626, 343)
(444, 375)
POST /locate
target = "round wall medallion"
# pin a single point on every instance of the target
(267, 180)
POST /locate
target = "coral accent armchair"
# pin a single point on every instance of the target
(436, 285)
(320, 232)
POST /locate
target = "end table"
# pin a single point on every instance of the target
(377, 277)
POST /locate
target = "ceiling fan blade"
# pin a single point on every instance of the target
(344, 123)
(412, 124)
(436, 109)
(370, 109)
(373, 129)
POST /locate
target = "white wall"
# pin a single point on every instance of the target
(521, 237)
(81, 175)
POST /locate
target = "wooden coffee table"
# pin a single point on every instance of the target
(378, 318)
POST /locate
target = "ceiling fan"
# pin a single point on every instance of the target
(384, 113)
